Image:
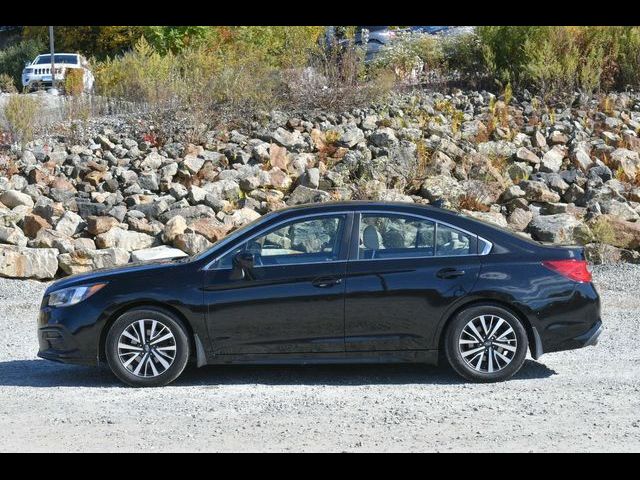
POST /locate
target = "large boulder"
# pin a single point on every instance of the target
(70, 224)
(23, 262)
(383, 137)
(535, 191)
(552, 160)
(13, 236)
(293, 141)
(191, 243)
(617, 232)
(302, 195)
(350, 135)
(495, 218)
(125, 239)
(80, 261)
(519, 219)
(626, 160)
(210, 228)
(442, 188)
(14, 198)
(556, 228)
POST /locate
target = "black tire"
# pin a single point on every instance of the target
(182, 347)
(453, 349)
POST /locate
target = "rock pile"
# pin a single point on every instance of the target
(566, 175)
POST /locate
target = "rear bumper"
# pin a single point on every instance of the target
(588, 338)
(591, 336)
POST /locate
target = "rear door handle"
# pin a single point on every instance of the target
(448, 273)
(326, 282)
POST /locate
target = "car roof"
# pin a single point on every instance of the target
(58, 53)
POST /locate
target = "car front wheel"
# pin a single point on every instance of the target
(147, 347)
(486, 343)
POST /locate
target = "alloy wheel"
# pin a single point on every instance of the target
(487, 343)
(147, 348)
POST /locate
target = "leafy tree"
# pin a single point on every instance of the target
(98, 41)
(13, 58)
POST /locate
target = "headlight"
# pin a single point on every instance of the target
(70, 296)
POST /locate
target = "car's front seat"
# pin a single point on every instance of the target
(371, 239)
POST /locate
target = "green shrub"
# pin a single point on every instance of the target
(555, 60)
(410, 55)
(21, 114)
(13, 58)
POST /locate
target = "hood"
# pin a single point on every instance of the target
(102, 274)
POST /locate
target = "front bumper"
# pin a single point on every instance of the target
(56, 343)
(69, 334)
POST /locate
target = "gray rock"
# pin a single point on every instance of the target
(310, 178)
(554, 228)
(552, 160)
(441, 187)
(491, 217)
(498, 149)
(527, 155)
(70, 224)
(13, 236)
(538, 192)
(513, 191)
(14, 198)
(383, 137)
(582, 160)
(302, 195)
(291, 140)
(188, 213)
(350, 135)
(153, 161)
(193, 163)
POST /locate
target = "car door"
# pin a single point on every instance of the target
(403, 274)
(292, 300)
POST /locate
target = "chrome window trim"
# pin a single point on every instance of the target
(485, 251)
(208, 266)
(358, 213)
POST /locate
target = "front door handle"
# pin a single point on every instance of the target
(326, 282)
(448, 273)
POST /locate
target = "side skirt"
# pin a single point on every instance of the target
(429, 357)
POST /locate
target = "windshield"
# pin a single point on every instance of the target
(58, 58)
(235, 234)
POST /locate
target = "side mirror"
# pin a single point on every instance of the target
(243, 264)
(27, 63)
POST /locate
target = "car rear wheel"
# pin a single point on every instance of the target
(486, 343)
(147, 348)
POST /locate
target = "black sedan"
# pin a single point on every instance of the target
(353, 282)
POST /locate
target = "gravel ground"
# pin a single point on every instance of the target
(583, 400)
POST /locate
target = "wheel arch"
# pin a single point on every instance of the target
(153, 305)
(532, 335)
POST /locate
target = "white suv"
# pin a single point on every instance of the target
(37, 74)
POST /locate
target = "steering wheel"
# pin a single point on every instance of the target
(256, 249)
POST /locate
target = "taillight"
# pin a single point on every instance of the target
(576, 270)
